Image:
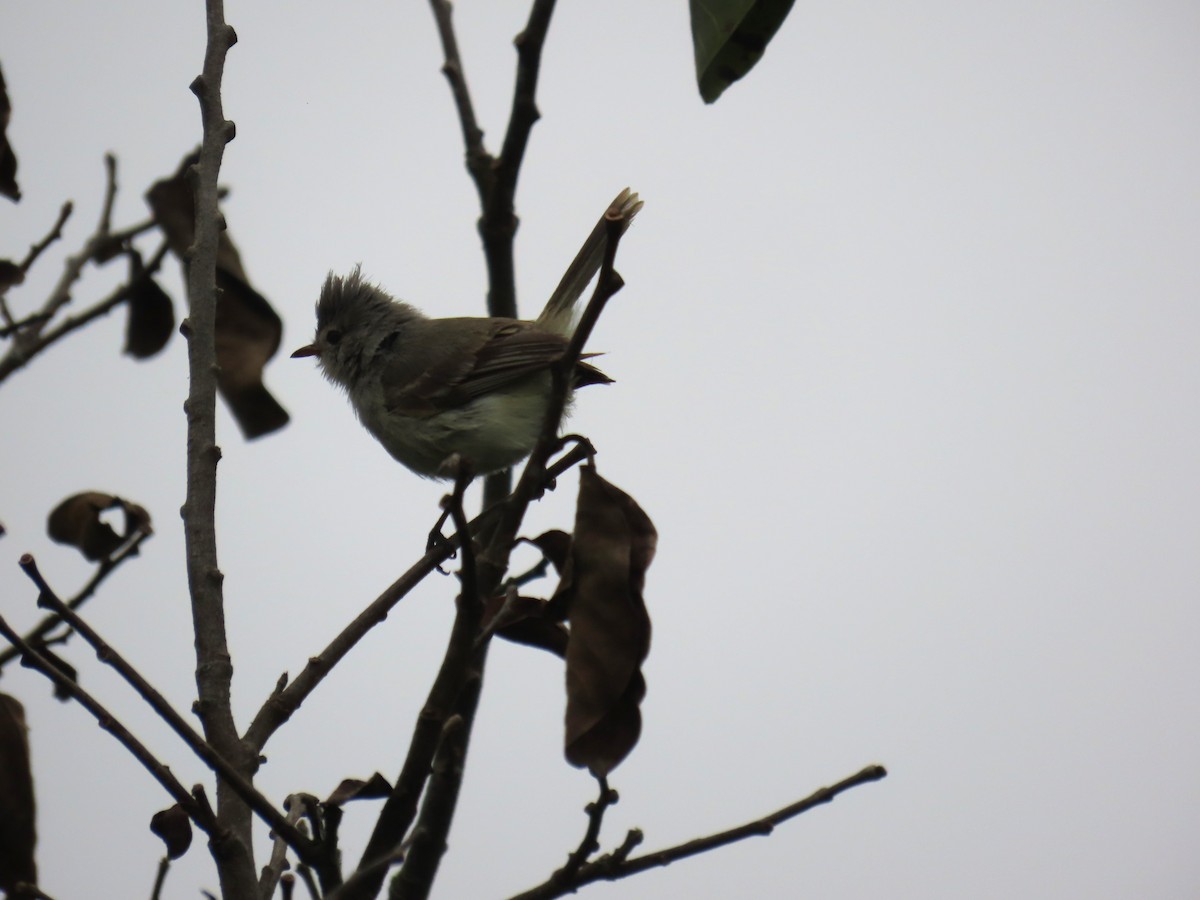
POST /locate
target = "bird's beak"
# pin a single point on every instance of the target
(309, 350)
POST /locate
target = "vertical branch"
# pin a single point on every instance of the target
(496, 177)
(214, 669)
(498, 225)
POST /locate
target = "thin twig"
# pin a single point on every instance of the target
(106, 567)
(479, 161)
(273, 870)
(55, 233)
(73, 266)
(25, 350)
(591, 836)
(265, 809)
(16, 325)
(524, 112)
(198, 812)
(616, 865)
(160, 877)
(30, 258)
(110, 194)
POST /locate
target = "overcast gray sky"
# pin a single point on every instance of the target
(906, 376)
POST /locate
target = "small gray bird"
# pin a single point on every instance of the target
(430, 388)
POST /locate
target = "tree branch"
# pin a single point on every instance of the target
(400, 808)
(265, 809)
(103, 570)
(287, 698)
(479, 161)
(198, 811)
(214, 669)
(616, 865)
(24, 351)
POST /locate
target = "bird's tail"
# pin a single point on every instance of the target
(559, 314)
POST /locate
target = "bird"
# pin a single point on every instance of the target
(438, 393)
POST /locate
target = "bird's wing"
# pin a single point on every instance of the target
(481, 356)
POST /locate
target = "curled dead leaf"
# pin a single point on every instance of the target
(175, 828)
(601, 591)
(76, 521)
(18, 834)
(524, 620)
(373, 788)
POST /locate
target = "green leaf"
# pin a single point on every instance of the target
(729, 37)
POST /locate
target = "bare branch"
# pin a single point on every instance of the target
(524, 112)
(160, 878)
(214, 669)
(25, 350)
(479, 161)
(616, 865)
(265, 809)
(55, 233)
(273, 870)
(106, 567)
(198, 812)
(400, 808)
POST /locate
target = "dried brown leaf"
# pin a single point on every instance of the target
(373, 788)
(18, 834)
(523, 620)
(248, 330)
(76, 521)
(614, 543)
(151, 318)
(8, 159)
(175, 828)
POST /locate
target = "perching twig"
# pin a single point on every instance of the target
(287, 697)
(616, 865)
(265, 809)
(23, 268)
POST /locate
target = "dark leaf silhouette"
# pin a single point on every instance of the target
(525, 620)
(601, 590)
(18, 834)
(729, 38)
(175, 829)
(248, 329)
(151, 316)
(373, 788)
(10, 274)
(555, 546)
(76, 521)
(8, 159)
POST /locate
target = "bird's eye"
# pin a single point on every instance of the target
(332, 336)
